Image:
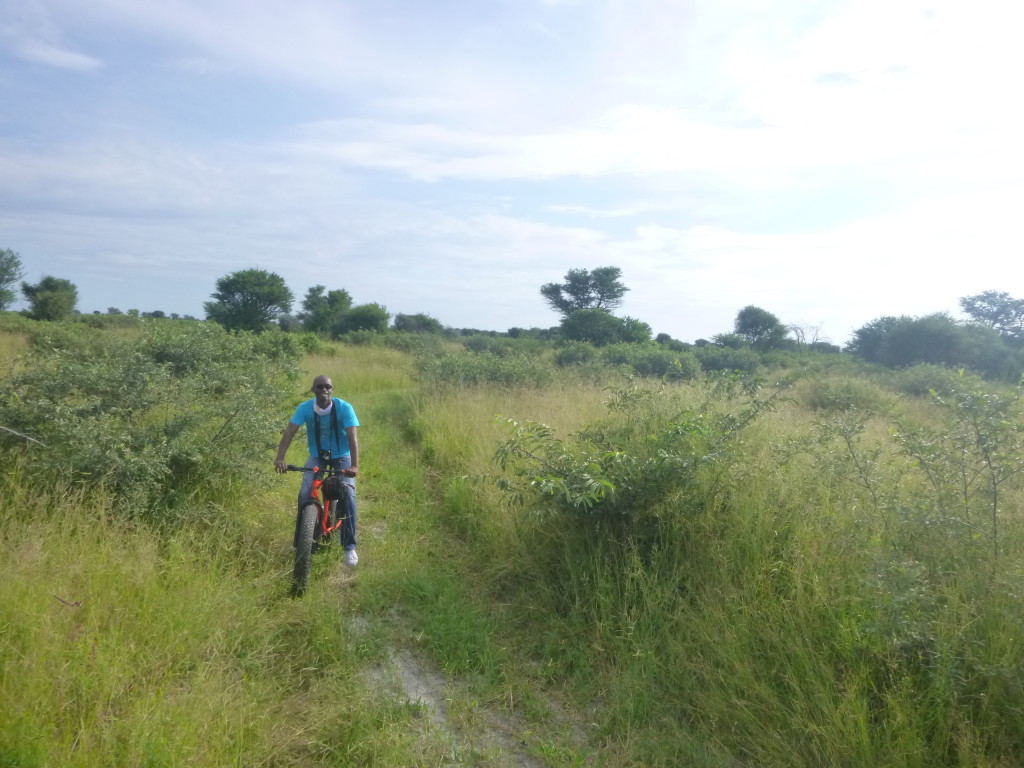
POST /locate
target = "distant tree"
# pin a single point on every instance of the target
(365, 317)
(52, 298)
(321, 309)
(156, 313)
(760, 328)
(289, 323)
(730, 340)
(249, 300)
(601, 328)
(669, 343)
(934, 338)
(10, 273)
(635, 331)
(824, 347)
(600, 288)
(418, 323)
(937, 339)
(868, 341)
(114, 311)
(996, 310)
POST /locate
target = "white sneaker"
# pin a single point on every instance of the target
(351, 558)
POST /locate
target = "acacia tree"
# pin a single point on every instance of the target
(760, 328)
(10, 273)
(52, 298)
(321, 309)
(996, 310)
(249, 300)
(600, 288)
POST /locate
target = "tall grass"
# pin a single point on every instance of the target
(798, 605)
(791, 589)
(121, 646)
(12, 344)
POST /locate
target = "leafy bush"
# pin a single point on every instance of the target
(179, 410)
(722, 358)
(619, 472)
(846, 393)
(968, 460)
(921, 380)
(652, 360)
(404, 341)
(505, 346)
(576, 353)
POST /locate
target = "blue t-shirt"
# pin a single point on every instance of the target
(336, 443)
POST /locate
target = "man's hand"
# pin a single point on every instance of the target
(280, 465)
(351, 471)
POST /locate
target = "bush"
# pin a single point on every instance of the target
(505, 346)
(847, 393)
(179, 410)
(619, 472)
(921, 380)
(652, 360)
(721, 358)
(575, 353)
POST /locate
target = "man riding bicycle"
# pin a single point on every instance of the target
(331, 427)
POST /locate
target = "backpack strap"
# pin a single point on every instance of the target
(334, 425)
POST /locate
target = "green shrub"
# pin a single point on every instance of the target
(921, 380)
(415, 343)
(576, 353)
(652, 360)
(719, 358)
(846, 393)
(178, 410)
(618, 472)
(505, 346)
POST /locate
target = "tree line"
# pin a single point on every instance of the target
(990, 341)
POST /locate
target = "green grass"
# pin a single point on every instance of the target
(792, 604)
(777, 622)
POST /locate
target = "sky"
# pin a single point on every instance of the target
(830, 161)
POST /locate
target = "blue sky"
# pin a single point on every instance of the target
(831, 162)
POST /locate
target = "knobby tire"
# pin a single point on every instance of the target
(304, 548)
(332, 518)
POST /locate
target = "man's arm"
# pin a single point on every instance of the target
(353, 448)
(282, 447)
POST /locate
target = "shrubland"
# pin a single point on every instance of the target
(732, 569)
(802, 562)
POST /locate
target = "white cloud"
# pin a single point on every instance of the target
(31, 35)
(41, 52)
(830, 162)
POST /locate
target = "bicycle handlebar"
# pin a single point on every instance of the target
(293, 468)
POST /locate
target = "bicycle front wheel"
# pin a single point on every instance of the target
(304, 547)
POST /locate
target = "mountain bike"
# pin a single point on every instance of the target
(320, 514)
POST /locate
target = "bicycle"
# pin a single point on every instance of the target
(318, 518)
